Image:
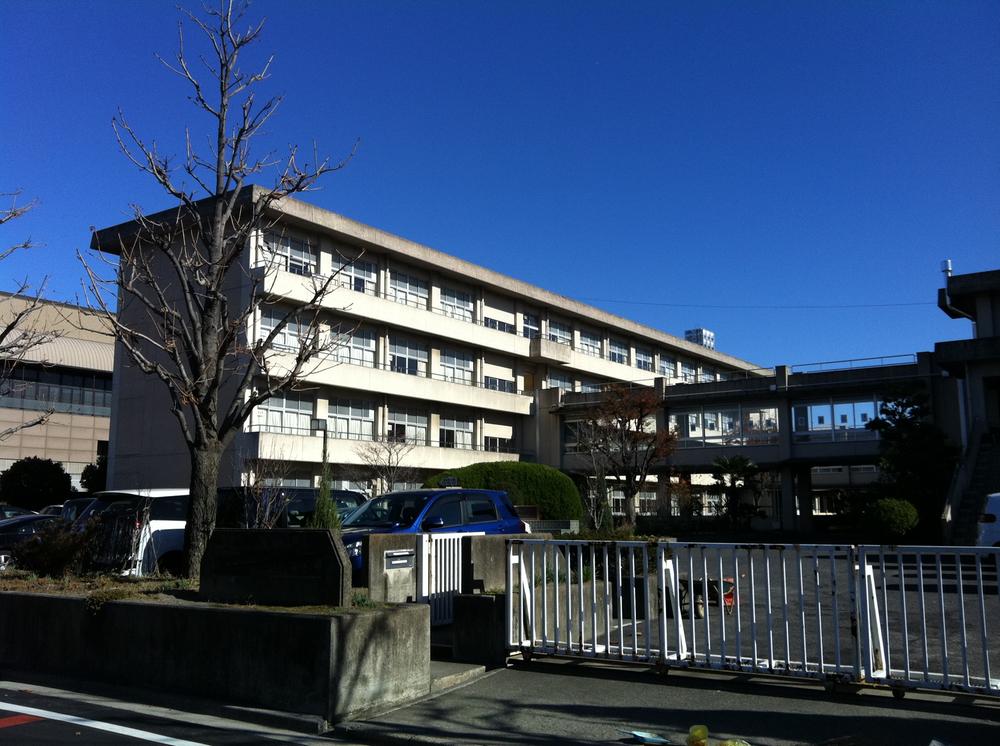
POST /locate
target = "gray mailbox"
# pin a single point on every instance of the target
(400, 559)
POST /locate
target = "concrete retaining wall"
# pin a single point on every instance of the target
(331, 666)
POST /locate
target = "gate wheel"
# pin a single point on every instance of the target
(526, 655)
(898, 692)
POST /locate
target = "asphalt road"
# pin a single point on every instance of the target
(32, 714)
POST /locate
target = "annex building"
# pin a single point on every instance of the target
(69, 375)
(446, 356)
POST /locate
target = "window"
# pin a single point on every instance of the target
(290, 413)
(290, 337)
(707, 375)
(292, 254)
(643, 359)
(38, 389)
(352, 419)
(357, 348)
(448, 508)
(834, 420)
(407, 357)
(407, 426)
(409, 290)
(668, 366)
(590, 343)
(560, 332)
(499, 384)
(689, 372)
(531, 326)
(590, 387)
(356, 274)
(501, 326)
(618, 352)
(456, 367)
(498, 445)
(457, 304)
(560, 381)
(455, 433)
(479, 509)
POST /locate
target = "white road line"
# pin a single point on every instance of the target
(96, 725)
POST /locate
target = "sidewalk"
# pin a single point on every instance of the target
(550, 701)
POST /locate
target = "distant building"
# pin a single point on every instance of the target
(700, 336)
(70, 375)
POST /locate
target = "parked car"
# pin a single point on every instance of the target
(71, 509)
(52, 510)
(302, 505)
(989, 522)
(11, 511)
(17, 529)
(133, 541)
(448, 510)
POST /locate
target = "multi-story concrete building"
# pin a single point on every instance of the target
(435, 351)
(70, 375)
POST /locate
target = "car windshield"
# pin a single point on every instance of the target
(395, 509)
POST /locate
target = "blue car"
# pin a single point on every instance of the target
(448, 510)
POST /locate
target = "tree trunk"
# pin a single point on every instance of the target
(205, 459)
(629, 509)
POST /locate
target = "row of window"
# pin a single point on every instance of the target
(354, 419)
(71, 391)
(359, 274)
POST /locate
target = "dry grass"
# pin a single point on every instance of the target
(100, 589)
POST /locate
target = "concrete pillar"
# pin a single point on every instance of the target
(479, 310)
(325, 259)
(433, 362)
(434, 292)
(433, 427)
(803, 480)
(382, 286)
(787, 508)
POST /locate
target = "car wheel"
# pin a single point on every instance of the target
(171, 563)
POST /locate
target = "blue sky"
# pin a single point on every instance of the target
(704, 164)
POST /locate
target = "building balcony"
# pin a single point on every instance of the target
(327, 371)
(307, 446)
(542, 350)
(381, 309)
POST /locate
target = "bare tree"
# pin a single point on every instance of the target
(383, 460)
(619, 437)
(20, 333)
(186, 295)
(264, 500)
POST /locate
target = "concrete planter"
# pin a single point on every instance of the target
(333, 666)
(479, 631)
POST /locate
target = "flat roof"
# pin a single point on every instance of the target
(310, 216)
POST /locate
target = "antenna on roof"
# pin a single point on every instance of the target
(946, 267)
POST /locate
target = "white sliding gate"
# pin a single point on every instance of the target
(905, 617)
(439, 572)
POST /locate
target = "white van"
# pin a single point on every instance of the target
(989, 522)
(159, 543)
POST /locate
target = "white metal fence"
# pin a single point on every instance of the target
(906, 617)
(439, 572)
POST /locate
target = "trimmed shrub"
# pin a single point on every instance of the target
(549, 489)
(892, 518)
(35, 482)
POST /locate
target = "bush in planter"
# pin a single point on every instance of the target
(892, 518)
(527, 484)
(56, 551)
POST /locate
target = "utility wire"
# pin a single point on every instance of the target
(757, 308)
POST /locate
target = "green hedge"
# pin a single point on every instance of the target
(893, 518)
(527, 484)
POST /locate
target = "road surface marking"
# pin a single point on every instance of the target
(96, 725)
(17, 720)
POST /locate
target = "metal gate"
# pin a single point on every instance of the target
(910, 617)
(439, 572)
